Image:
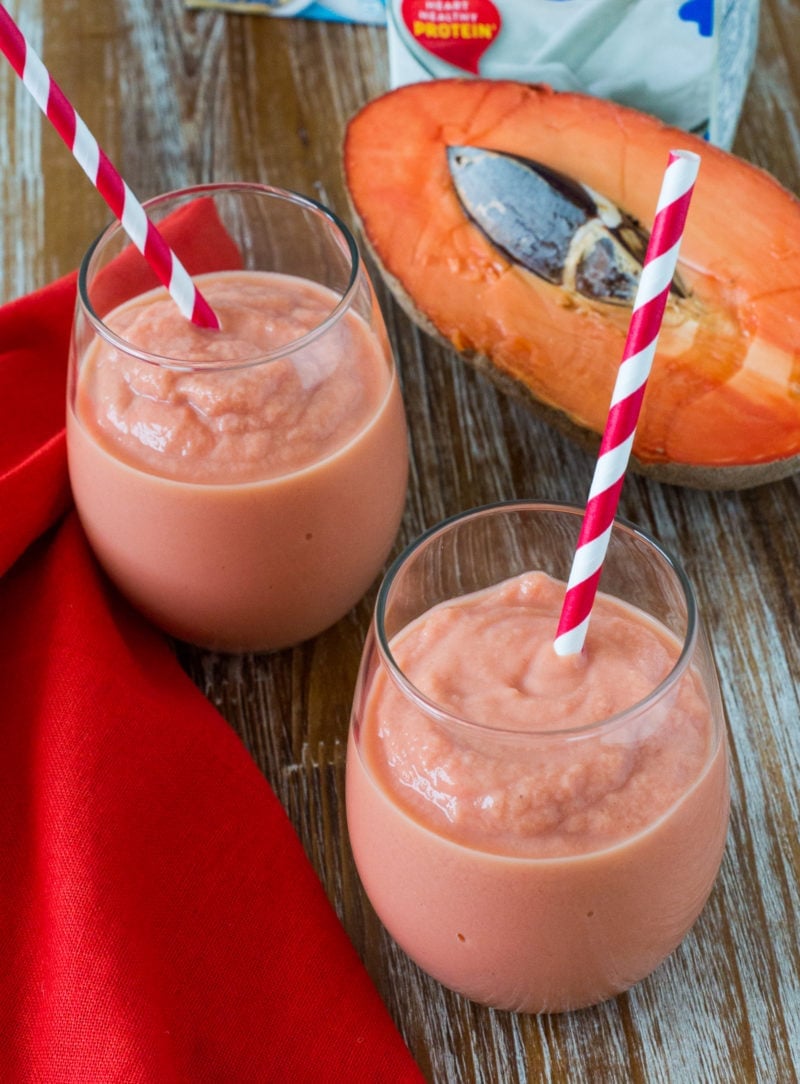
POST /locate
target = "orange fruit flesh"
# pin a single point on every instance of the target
(725, 385)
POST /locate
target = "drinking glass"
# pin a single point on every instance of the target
(242, 487)
(537, 833)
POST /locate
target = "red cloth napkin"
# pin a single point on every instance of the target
(159, 920)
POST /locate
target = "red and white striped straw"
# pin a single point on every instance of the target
(626, 400)
(58, 110)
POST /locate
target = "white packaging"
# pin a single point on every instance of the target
(685, 61)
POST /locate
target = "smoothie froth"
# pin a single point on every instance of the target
(489, 659)
(210, 423)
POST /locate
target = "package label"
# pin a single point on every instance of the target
(685, 61)
(458, 32)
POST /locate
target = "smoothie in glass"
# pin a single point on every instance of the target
(537, 832)
(242, 486)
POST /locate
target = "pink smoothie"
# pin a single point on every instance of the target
(241, 504)
(538, 871)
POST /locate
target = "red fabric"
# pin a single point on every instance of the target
(159, 920)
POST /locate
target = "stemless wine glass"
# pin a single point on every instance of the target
(241, 487)
(536, 833)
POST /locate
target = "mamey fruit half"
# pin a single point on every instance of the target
(722, 405)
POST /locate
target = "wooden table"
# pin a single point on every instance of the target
(177, 98)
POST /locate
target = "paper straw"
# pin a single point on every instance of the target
(626, 400)
(58, 110)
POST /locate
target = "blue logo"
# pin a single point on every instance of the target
(700, 12)
(692, 11)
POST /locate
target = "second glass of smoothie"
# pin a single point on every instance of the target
(536, 832)
(241, 486)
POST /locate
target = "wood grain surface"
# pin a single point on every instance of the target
(177, 97)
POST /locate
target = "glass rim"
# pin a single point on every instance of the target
(114, 228)
(442, 715)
